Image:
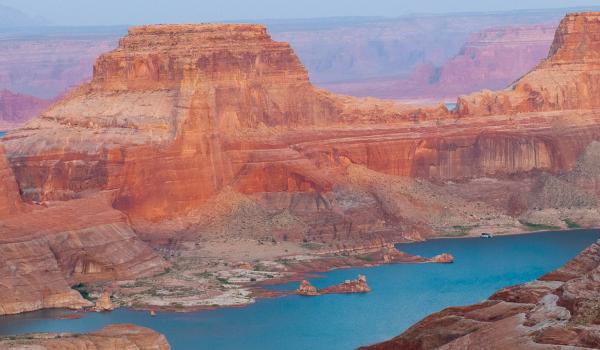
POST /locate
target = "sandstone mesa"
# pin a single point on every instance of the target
(195, 138)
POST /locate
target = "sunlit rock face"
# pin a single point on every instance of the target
(568, 79)
(194, 131)
(10, 201)
(170, 108)
(178, 113)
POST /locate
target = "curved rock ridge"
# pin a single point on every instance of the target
(568, 79)
(112, 337)
(45, 251)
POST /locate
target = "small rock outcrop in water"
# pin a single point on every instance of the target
(350, 286)
(307, 289)
(104, 303)
(443, 259)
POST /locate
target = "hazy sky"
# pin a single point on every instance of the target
(108, 12)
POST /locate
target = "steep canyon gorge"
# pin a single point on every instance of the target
(196, 146)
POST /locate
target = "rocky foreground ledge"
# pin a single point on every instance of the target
(560, 310)
(113, 337)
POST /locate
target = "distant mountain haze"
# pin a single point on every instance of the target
(417, 57)
(111, 12)
(11, 18)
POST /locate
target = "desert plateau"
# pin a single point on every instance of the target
(221, 184)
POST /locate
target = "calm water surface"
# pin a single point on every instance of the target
(402, 294)
(2, 133)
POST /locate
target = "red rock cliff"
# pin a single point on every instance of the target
(568, 79)
(111, 337)
(184, 128)
(10, 200)
(176, 102)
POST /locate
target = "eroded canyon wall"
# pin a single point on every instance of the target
(198, 104)
(566, 80)
(194, 131)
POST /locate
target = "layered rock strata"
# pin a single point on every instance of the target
(103, 303)
(45, 251)
(184, 102)
(566, 80)
(10, 200)
(113, 337)
(192, 134)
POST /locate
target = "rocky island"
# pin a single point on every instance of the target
(347, 287)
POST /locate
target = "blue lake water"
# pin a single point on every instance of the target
(2, 133)
(402, 295)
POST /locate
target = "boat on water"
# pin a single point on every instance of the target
(486, 235)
